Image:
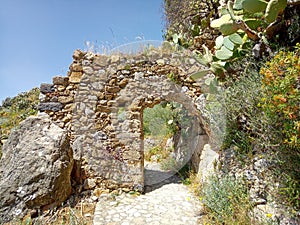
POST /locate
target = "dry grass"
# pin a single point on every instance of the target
(81, 214)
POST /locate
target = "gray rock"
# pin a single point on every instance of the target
(47, 88)
(35, 168)
(50, 106)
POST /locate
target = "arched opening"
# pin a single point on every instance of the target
(169, 141)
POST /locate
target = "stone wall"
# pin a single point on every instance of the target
(101, 104)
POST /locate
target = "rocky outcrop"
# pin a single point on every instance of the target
(35, 168)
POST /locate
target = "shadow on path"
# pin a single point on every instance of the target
(156, 178)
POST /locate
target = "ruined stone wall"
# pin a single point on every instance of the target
(101, 104)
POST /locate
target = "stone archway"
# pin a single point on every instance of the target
(109, 149)
(130, 83)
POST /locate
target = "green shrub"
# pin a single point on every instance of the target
(291, 191)
(226, 201)
(186, 19)
(164, 119)
(156, 119)
(281, 95)
(280, 103)
(246, 125)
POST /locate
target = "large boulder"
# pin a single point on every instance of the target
(35, 168)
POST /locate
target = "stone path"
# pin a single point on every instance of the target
(165, 202)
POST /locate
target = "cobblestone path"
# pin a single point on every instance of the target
(165, 202)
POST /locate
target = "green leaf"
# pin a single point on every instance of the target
(236, 39)
(254, 6)
(213, 87)
(228, 28)
(200, 74)
(218, 22)
(253, 23)
(202, 60)
(219, 42)
(228, 43)
(224, 53)
(238, 4)
(195, 30)
(273, 8)
(210, 97)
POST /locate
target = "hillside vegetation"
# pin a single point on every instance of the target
(14, 110)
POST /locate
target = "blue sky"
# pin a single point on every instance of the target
(38, 37)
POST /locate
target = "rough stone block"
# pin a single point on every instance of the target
(207, 160)
(75, 77)
(50, 106)
(101, 60)
(47, 88)
(60, 80)
(65, 99)
(76, 67)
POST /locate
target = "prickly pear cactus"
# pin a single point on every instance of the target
(273, 9)
(254, 6)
